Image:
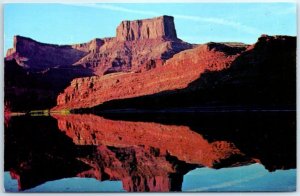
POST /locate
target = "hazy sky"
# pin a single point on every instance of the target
(195, 22)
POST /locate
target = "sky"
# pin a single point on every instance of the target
(194, 22)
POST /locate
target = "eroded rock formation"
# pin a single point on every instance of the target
(139, 46)
(136, 44)
(176, 73)
(38, 56)
(262, 76)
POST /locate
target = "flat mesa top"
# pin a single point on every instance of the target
(153, 28)
(149, 19)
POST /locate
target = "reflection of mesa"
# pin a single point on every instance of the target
(179, 141)
(144, 155)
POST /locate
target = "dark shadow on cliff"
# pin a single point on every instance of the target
(25, 89)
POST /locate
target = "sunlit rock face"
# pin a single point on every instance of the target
(176, 73)
(215, 74)
(156, 28)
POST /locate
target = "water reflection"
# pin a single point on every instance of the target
(144, 156)
(246, 178)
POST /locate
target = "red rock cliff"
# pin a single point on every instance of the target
(138, 45)
(176, 73)
(31, 54)
(156, 28)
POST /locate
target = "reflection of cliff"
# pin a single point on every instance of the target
(267, 136)
(179, 141)
(144, 156)
(36, 152)
(140, 168)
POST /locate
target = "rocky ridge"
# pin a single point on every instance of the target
(34, 55)
(209, 74)
(138, 45)
(176, 73)
(146, 60)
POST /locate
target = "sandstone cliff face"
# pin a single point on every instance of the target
(176, 73)
(136, 55)
(35, 55)
(139, 46)
(209, 73)
(91, 46)
(136, 45)
(157, 28)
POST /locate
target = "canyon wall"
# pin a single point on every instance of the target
(216, 74)
(153, 42)
(176, 73)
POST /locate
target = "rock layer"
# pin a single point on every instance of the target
(139, 46)
(214, 74)
(34, 55)
(156, 28)
(176, 73)
(131, 56)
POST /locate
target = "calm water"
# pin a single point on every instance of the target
(253, 151)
